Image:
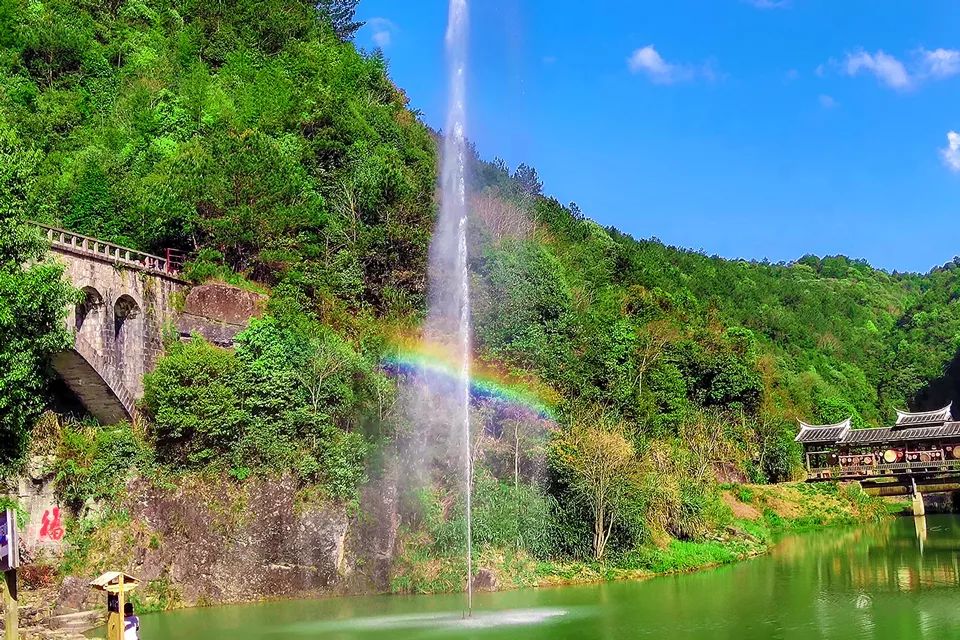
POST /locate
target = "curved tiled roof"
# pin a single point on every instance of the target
(886, 435)
(826, 433)
(938, 416)
(882, 435)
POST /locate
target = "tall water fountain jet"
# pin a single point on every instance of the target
(448, 320)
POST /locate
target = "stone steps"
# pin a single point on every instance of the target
(77, 622)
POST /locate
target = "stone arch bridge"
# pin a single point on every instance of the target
(130, 299)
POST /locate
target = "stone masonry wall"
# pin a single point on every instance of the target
(124, 315)
(45, 527)
(218, 312)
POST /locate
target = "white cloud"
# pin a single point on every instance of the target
(886, 68)
(924, 65)
(383, 31)
(791, 75)
(940, 63)
(650, 63)
(827, 102)
(951, 153)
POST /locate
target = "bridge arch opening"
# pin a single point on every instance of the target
(125, 310)
(128, 331)
(89, 317)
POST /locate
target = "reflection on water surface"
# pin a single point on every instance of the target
(897, 580)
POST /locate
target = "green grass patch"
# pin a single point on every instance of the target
(683, 555)
(898, 507)
(744, 494)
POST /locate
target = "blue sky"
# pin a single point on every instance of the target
(746, 128)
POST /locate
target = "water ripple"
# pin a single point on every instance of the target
(444, 621)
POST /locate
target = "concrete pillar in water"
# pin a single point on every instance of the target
(918, 509)
(920, 523)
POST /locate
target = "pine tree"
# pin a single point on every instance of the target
(341, 15)
(528, 181)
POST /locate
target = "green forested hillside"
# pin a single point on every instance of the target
(251, 136)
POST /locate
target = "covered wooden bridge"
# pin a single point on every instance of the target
(920, 448)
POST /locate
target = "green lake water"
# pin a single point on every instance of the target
(898, 580)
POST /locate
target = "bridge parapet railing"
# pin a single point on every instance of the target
(835, 472)
(77, 243)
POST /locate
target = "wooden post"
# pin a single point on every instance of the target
(114, 627)
(123, 615)
(11, 606)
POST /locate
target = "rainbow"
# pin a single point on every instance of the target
(486, 384)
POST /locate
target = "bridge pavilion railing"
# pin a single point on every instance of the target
(882, 469)
(85, 245)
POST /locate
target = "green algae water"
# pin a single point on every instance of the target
(898, 580)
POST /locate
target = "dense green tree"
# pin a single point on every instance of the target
(34, 298)
(603, 471)
(522, 306)
(192, 399)
(33, 306)
(286, 398)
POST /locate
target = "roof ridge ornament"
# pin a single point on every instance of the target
(925, 417)
(843, 423)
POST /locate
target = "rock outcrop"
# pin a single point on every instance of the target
(207, 541)
(218, 312)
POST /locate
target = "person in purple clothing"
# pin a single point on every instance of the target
(131, 623)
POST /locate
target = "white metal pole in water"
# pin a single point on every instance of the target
(465, 440)
(465, 398)
(454, 207)
(469, 531)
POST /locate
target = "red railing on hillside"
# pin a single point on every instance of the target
(74, 242)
